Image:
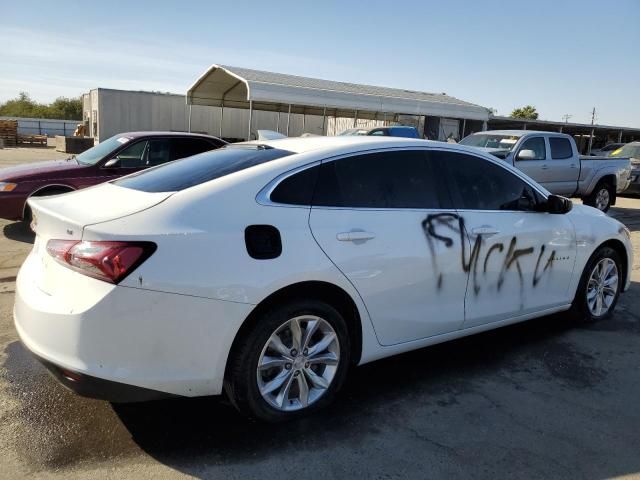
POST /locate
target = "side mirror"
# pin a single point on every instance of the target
(557, 204)
(114, 162)
(526, 155)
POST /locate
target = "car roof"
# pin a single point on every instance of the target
(349, 144)
(518, 133)
(165, 134)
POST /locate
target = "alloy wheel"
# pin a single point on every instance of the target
(602, 199)
(602, 287)
(298, 363)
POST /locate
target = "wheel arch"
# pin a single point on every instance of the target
(621, 250)
(316, 290)
(42, 192)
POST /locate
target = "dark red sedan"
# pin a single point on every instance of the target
(120, 155)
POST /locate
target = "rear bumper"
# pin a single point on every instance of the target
(99, 388)
(634, 186)
(105, 335)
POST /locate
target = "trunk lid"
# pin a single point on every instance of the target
(64, 217)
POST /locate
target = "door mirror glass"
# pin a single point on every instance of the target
(113, 163)
(527, 155)
(558, 205)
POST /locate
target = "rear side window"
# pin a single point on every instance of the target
(560, 148)
(478, 184)
(198, 169)
(297, 189)
(186, 147)
(399, 179)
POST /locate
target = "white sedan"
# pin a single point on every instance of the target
(266, 270)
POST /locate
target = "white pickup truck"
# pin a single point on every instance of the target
(552, 160)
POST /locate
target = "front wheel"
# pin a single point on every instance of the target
(293, 361)
(599, 287)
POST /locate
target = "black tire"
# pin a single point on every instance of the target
(579, 308)
(604, 188)
(241, 384)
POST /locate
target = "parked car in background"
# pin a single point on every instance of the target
(606, 150)
(119, 155)
(632, 151)
(269, 269)
(552, 159)
(394, 131)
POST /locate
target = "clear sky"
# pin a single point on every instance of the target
(562, 56)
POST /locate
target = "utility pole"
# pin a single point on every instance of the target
(566, 117)
(593, 120)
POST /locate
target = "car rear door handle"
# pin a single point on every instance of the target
(355, 236)
(544, 167)
(485, 230)
(573, 165)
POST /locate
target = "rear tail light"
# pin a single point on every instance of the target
(108, 261)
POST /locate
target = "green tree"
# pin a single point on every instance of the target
(24, 106)
(528, 111)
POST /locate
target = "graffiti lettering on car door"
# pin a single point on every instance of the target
(445, 227)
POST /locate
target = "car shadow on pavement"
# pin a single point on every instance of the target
(387, 408)
(19, 231)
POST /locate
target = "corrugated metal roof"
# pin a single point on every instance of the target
(259, 76)
(236, 86)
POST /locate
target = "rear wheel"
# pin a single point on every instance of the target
(601, 197)
(599, 287)
(292, 362)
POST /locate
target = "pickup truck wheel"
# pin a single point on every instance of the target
(601, 197)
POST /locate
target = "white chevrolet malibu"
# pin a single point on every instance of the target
(265, 271)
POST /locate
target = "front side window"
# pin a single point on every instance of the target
(478, 184)
(535, 144)
(560, 148)
(132, 156)
(398, 179)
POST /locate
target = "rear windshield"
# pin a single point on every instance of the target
(191, 171)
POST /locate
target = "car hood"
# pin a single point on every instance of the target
(496, 152)
(21, 172)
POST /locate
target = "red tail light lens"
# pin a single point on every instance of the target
(108, 261)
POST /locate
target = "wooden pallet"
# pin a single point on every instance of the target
(32, 139)
(9, 132)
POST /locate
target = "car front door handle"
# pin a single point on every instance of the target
(544, 167)
(355, 236)
(485, 230)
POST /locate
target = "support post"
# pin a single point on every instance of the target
(288, 119)
(250, 118)
(524, 127)
(324, 120)
(304, 120)
(221, 119)
(484, 126)
(560, 130)
(590, 142)
(384, 119)
(464, 126)
(620, 136)
(355, 119)
(278, 121)
(190, 117)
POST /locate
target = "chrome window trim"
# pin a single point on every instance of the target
(264, 195)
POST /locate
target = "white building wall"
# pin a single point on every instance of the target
(119, 111)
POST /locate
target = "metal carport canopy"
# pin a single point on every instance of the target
(225, 86)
